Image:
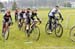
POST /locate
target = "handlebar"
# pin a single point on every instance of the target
(57, 19)
(36, 21)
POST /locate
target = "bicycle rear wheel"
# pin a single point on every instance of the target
(35, 33)
(47, 30)
(72, 34)
(58, 30)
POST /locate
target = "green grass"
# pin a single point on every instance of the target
(17, 39)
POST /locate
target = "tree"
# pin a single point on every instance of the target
(68, 4)
(14, 6)
(1, 5)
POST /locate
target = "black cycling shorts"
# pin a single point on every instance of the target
(28, 21)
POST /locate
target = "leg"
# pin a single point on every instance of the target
(15, 18)
(7, 25)
(3, 30)
(27, 25)
(19, 24)
(50, 25)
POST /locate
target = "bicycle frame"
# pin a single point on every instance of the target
(34, 23)
(54, 23)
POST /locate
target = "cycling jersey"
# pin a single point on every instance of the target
(33, 15)
(7, 18)
(53, 12)
(21, 14)
(16, 13)
(16, 16)
(24, 16)
(28, 17)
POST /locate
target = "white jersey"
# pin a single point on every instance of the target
(24, 15)
(30, 14)
(19, 15)
(53, 12)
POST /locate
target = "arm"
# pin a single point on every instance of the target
(4, 18)
(38, 18)
(60, 15)
(10, 18)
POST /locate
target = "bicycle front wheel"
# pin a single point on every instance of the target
(6, 34)
(58, 30)
(35, 34)
(72, 34)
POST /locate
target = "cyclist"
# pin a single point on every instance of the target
(16, 15)
(20, 17)
(34, 14)
(51, 16)
(7, 20)
(28, 19)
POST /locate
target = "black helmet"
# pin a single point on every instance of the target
(57, 6)
(28, 9)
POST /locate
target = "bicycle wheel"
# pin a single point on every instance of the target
(6, 35)
(72, 34)
(47, 30)
(35, 33)
(58, 30)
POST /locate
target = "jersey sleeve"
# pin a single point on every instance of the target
(10, 17)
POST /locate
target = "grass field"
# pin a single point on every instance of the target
(17, 39)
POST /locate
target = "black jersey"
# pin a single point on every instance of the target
(7, 17)
(16, 13)
(28, 15)
(33, 15)
(21, 14)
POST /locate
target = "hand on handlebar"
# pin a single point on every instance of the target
(62, 19)
(40, 22)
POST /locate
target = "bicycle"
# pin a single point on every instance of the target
(34, 31)
(72, 33)
(5, 30)
(56, 27)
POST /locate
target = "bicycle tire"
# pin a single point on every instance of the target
(35, 33)
(6, 35)
(60, 30)
(71, 32)
(47, 28)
